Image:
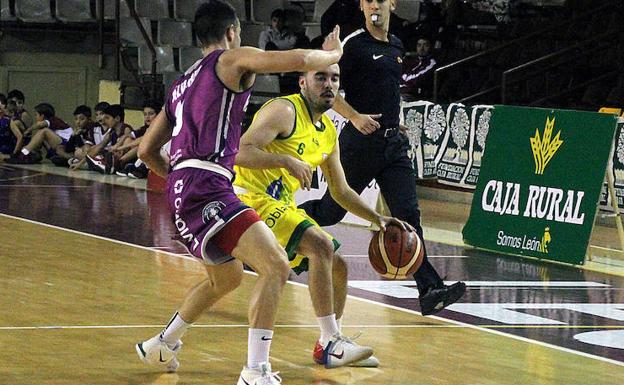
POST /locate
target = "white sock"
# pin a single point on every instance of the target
(258, 346)
(339, 323)
(174, 330)
(329, 327)
(25, 151)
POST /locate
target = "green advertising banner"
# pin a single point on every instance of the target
(539, 183)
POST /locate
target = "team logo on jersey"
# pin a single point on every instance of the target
(399, 60)
(275, 188)
(211, 210)
(544, 148)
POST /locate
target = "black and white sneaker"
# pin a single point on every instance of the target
(437, 298)
(96, 164)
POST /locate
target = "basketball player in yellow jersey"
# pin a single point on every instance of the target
(288, 138)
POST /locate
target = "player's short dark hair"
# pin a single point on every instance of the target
(153, 104)
(85, 110)
(212, 19)
(17, 94)
(101, 106)
(46, 110)
(115, 110)
(3, 99)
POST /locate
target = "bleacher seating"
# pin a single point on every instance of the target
(175, 33)
(313, 30)
(152, 9)
(320, 6)
(185, 9)
(188, 56)
(250, 34)
(34, 11)
(239, 6)
(408, 9)
(164, 56)
(6, 13)
(74, 11)
(129, 31)
(169, 78)
(265, 87)
(109, 9)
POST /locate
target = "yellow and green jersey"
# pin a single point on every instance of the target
(307, 142)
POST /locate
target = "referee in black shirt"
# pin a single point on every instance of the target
(372, 146)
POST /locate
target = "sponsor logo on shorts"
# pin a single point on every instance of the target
(274, 216)
(211, 210)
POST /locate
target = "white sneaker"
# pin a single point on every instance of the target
(370, 362)
(340, 351)
(156, 352)
(259, 376)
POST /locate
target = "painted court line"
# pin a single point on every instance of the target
(22, 177)
(404, 310)
(428, 256)
(310, 326)
(42, 186)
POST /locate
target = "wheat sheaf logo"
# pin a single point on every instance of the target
(544, 148)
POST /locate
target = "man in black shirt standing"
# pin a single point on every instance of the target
(372, 146)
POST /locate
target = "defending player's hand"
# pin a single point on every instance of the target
(366, 124)
(386, 221)
(301, 171)
(332, 41)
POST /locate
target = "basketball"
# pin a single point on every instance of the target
(396, 253)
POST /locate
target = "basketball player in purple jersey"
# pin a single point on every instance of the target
(202, 117)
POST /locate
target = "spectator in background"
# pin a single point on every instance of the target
(22, 114)
(51, 132)
(417, 78)
(10, 135)
(125, 155)
(94, 136)
(16, 125)
(276, 37)
(113, 122)
(293, 23)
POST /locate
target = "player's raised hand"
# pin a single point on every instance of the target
(366, 124)
(332, 41)
(300, 170)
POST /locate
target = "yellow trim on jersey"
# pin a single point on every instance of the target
(307, 142)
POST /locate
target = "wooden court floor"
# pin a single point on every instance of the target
(74, 305)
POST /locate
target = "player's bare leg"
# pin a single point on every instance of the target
(332, 349)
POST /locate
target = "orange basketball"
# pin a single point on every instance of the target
(396, 253)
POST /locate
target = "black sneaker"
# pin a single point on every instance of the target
(126, 170)
(437, 298)
(139, 172)
(96, 164)
(59, 161)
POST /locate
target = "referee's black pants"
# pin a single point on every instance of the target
(386, 160)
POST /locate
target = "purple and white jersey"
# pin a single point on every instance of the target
(206, 115)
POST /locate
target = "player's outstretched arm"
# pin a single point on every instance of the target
(158, 134)
(254, 60)
(274, 120)
(344, 195)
